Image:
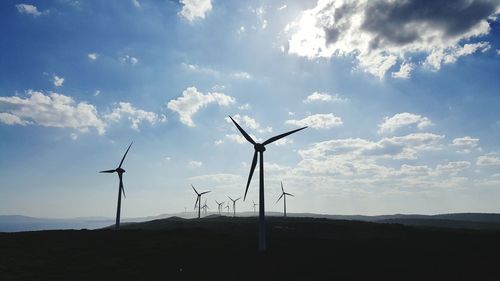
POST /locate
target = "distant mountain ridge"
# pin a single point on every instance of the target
(15, 223)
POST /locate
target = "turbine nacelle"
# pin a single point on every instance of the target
(120, 170)
(259, 147)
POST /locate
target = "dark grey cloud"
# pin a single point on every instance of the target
(403, 22)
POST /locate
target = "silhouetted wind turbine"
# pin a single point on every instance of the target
(121, 190)
(228, 208)
(205, 207)
(234, 205)
(260, 148)
(219, 208)
(284, 195)
(198, 199)
(254, 204)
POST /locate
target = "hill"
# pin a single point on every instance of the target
(222, 247)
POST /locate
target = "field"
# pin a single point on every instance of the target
(222, 248)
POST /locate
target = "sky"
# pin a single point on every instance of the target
(401, 98)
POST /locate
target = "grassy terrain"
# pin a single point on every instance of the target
(221, 248)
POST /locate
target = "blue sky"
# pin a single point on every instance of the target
(401, 100)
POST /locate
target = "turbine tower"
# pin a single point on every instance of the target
(259, 149)
(234, 205)
(121, 190)
(284, 195)
(219, 207)
(198, 200)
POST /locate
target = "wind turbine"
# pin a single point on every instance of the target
(254, 204)
(121, 190)
(284, 195)
(219, 208)
(228, 208)
(234, 205)
(205, 207)
(198, 199)
(260, 148)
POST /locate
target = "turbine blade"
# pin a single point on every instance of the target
(290, 194)
(249, 139)
(279, 198)
(125, 155)
(204, 192)
(108, 171)
(252, 169)
(195, 190)
(282, 187)
(230, 198)
(196, 204)
(237, 199)
(273, 139)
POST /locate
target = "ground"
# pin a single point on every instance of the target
(219, 248)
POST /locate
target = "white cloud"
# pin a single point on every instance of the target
(136, 3)
(195, 164)
(382, 34)
(488, 160)
(97, 92)
(192, 101)
(28, 9)
(283, 141)
(11, 119)
(54, 110)
(57, 110)
(195, 9)
(404, 71)
(58, 81)
(245, 106)
(134, 115)
(403, 119)
(241, 30)
(453, 167)
(466, 144)
(324, 97)
(130, 60)
(317, 121)
(242, 75)
(282, 7)
(201, 69)
(92, 56)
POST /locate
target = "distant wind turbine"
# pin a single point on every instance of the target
(198, 200)
(254, 204)
(121, 190)
(234, 205)
(228, 208)
(260, 148)
(219, 207)
(205, 207)
(284, 195)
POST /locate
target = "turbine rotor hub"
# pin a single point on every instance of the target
(120, 170)
(259, 147)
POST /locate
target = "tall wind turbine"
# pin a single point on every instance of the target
(234, 205)
(198, 199)
(284, 195)
(219, 207)
(228, 208)
(259, 149)
(121, 190)
(254, 204)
